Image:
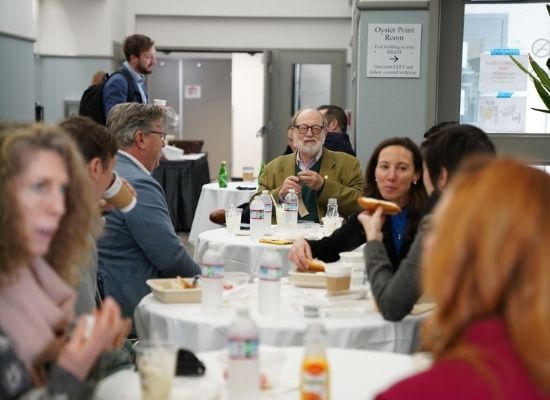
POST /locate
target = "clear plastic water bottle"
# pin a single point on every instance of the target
(243, 367)
(315, 377)
(223, 177)
(257, 217)
(291, 209)
(212, 277)
(332, 207)
(269, 287)
(268, 208)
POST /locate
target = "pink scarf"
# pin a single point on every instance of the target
(35, 310)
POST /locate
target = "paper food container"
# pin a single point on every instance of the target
(169, 290)
(308, 279)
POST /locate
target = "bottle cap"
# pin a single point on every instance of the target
(291, 191)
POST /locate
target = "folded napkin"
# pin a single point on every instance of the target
(280, 242)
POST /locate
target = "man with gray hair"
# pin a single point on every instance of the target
(140, 244)
(314, 172)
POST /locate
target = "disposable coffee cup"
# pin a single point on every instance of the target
(120, 195)
(248, 174)
(338, 278)
(159, 102)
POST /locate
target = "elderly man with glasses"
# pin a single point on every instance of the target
(142, 243)
(314, 172)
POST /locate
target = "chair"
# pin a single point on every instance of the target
(188, 146)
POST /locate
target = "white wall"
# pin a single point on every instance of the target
(244, 24)
(16, 18)
(80, 27)
(247, 100)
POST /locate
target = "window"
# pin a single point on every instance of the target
(495, 94)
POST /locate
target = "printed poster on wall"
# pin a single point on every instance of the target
(192, 91)
(502, 113)
(497, 71)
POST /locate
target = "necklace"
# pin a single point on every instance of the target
(399, 224)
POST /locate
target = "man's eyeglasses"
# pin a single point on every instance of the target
(315, 129)
(162, 134)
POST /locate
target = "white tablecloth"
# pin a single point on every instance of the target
(240, 253)
(355, 375)
(212, 198)
(350, 323)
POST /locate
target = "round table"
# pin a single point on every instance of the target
(212, 198)
(240, 252)
(355, 375)
(350, 323)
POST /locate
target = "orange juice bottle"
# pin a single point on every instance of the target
(315, 378)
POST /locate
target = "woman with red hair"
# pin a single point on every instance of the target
(486, 266)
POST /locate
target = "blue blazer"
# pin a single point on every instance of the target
(140, 244)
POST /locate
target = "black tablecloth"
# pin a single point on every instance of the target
(182, 182)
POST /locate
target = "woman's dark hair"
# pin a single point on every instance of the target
(449, 147)
(417, 192)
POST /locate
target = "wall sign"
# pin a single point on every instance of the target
(192, 91)
(393, 50)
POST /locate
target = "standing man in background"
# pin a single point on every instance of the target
(128, 83)
(337, 122)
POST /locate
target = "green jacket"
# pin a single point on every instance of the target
(342, 174)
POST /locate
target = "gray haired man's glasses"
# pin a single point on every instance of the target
(315, 129)
(162, 134)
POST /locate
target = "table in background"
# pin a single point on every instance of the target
(212, 198)
(355, 375)
(182, 181)
(240, 253)
(349, 323)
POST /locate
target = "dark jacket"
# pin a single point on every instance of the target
(352, 235)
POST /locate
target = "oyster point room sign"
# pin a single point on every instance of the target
(393, 50)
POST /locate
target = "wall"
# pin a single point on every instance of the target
(387, 107)
(64, 78)
(16, 80)
(16, 46)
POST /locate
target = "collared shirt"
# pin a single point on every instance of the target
(140, 80)
(305, 166)
(135, 161)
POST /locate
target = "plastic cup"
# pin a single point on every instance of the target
(357, 262)
(248, 174)
(280, 214)
(120, 195)
(212, 287)
(233, 219)
(338, 278)
(156, 362)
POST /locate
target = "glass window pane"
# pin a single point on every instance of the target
(495, 94)
(311, 85)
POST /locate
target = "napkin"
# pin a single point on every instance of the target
(280, 242)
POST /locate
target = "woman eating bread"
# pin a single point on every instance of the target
(393, 174)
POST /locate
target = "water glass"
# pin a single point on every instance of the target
(233, 219)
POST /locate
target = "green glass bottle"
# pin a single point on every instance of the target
(222, 175)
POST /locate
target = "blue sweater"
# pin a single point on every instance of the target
(141, 244)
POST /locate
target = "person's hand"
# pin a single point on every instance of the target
(83, 348)
(372, 223)
(300, 254)
(291, 182)
(311, 179)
